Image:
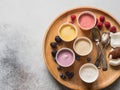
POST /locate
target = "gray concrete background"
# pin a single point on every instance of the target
(22, 27)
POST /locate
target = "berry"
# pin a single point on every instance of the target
(102, 18)
(88, 59)
(96, 21)
(58, 39)
(53, 44)
(69, 74)
(100, 25)
(62, 76)
(59, 68)
(77, 57)
(54, 53)
(113, 29)
(73, 17)
(107, 25)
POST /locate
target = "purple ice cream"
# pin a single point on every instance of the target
(65, 57)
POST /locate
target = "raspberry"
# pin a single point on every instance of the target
(102, 18)
(113, 29)
(100, 25)
(107, 25)
(73, 17)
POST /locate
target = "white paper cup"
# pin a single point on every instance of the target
(88, 73)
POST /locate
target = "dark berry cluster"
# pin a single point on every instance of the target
(67, 74)
(54, 45)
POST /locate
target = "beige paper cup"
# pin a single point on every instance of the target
(83, 46)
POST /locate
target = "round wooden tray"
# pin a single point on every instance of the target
(105, 78)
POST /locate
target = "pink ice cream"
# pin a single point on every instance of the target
(65, 58)
(86, 21)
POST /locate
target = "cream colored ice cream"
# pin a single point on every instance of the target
(83, 46)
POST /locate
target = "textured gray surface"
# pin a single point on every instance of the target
(23, 24)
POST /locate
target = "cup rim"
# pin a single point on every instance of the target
(90, 13)
(70, 25)
(85, 38)
(68, 50)
(92, 65)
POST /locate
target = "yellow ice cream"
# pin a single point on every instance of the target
(68, 33)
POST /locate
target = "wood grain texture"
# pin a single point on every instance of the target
(105, 77)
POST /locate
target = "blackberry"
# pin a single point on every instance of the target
(62, 76)
(53, 44)
(71, 74)
(59, 68)
(54, 53)
(58, 39)
(67, 73)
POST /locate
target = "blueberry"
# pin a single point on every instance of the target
(77, 57)
(88, 59)
(71, 74)
(67, 73)
(62, 76)
(54, 53)
(59, 68)
(58, 39)
(53, 44)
